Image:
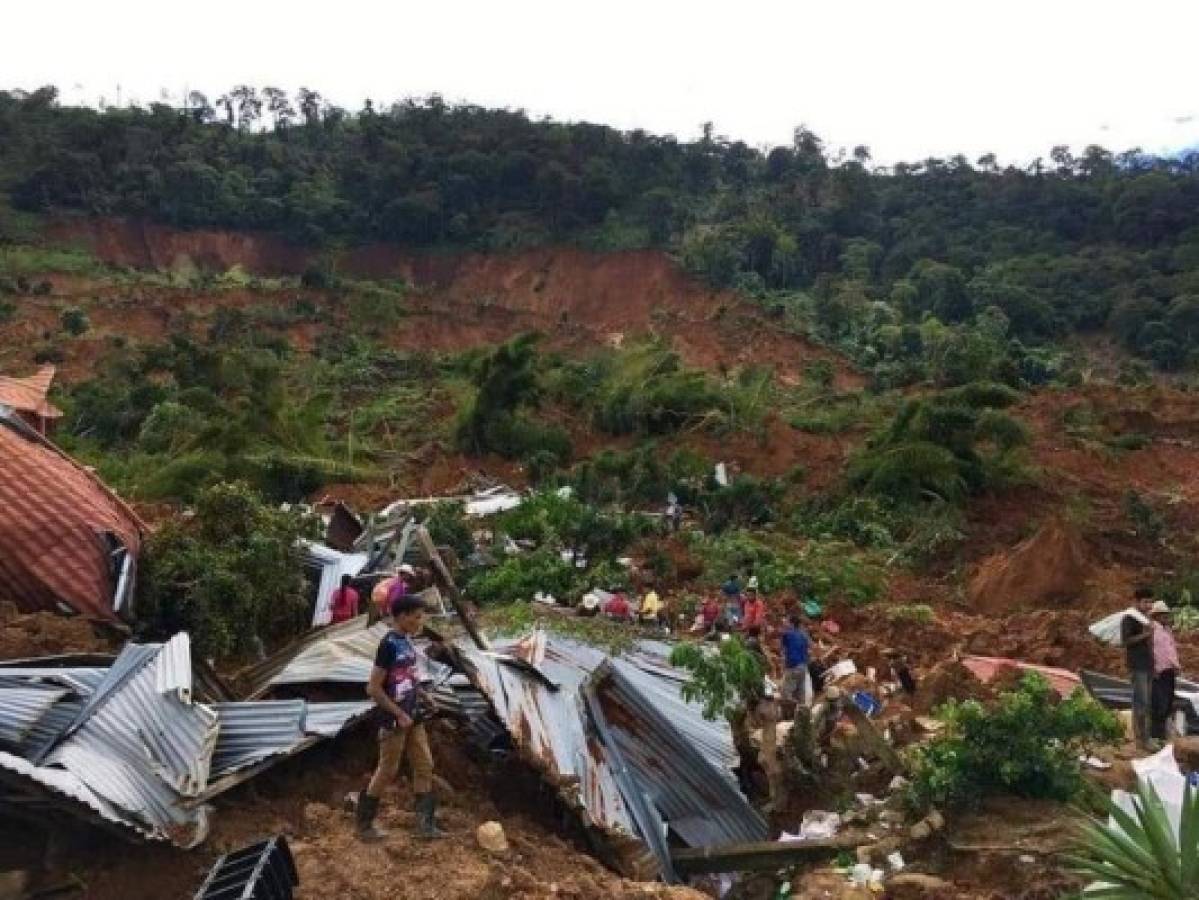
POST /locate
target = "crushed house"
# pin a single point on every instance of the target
(67, 542)
(140, 743)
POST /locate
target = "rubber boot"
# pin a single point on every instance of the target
(364, 819)
(426, 818)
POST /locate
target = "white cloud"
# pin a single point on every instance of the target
(925, 77)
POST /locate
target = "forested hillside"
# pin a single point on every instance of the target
(1033, 254)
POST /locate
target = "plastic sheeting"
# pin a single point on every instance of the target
(333, 564)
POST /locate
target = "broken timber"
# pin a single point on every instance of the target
(759, 857)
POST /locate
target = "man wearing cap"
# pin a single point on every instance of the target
(395, 687)
(1165, 670)
(1136, 634)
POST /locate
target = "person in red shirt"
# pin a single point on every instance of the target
(618, 607)
(708, 614)
(755, 611)
(343, 604)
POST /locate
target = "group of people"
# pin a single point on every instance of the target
(345, 601)
(1152, 657)
(651, 610)
(736, 609)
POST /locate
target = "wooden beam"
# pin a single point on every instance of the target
(443, 571)
(761, 857)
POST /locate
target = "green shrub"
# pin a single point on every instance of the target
(521, 576)
(74, 321)
(723, 679)
(745, 501)
(920, 613)
(547, 518)
(229, 574)
(449, 527)
(1147, 522)
(1026, 743)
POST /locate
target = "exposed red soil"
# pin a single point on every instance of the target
(303, 800)
(1051, 566)
(577, 298)
(24, 636)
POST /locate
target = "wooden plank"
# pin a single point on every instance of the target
(759, 857)
(443, 571)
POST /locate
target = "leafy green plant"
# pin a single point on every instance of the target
(521, 576)
(449, 527)
(920, 613)
(721, 679)
(74, 321)
(1026, 743)
(228, 574)
(1147, 521)
(1142, 857)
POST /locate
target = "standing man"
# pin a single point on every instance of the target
(1136, 635)
(395, 687)
(797, 685)
(343, 603)
(1165, 670)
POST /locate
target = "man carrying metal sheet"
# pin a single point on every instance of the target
(395, 687)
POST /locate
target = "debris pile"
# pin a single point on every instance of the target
(142, 744)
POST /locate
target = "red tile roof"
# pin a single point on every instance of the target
(28, 395)
(53, 514)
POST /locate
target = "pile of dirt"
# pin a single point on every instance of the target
(948, 681)
(303, 799)
(1050, 566)
(46, 634)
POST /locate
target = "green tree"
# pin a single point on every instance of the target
(229, 574)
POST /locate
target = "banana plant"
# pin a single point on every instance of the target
(1143, 858)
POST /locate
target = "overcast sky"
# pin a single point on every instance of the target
(908, 79)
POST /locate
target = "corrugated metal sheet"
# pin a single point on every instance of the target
(1117, 693)
(53, 513)
(22, 707)
(82, 681)
(131, 747)
(65, 785)
(655, 764)
(251, 732)
(143, 749)
(345, 655)
(131, 660)
(329, 719)
(173, 672)
(49, 728)
(689, 793)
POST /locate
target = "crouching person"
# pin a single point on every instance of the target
(395, 687)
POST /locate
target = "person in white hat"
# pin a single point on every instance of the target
(1165, 670)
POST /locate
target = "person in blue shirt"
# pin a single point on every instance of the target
(395, 687)
(733, 601)
(796, 645)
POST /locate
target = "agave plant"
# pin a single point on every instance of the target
(1142, 859)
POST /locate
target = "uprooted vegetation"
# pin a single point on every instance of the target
(1026, 742)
